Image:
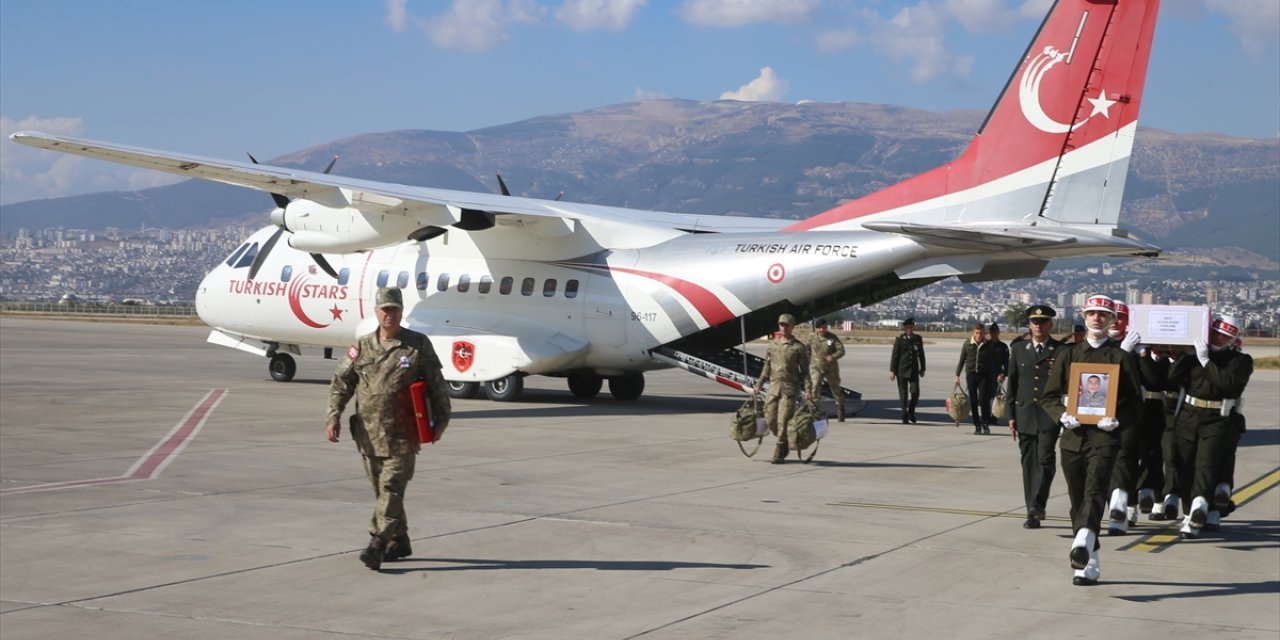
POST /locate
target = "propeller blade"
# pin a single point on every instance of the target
(262, 253)
(502, 183)
(331, 163)
(281, 200)
(324, 264)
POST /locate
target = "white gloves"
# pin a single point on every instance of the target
(1069, 421)
(1202, 352)
(1130, 341)
(1108, 424)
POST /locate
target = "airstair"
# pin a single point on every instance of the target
(728, 366)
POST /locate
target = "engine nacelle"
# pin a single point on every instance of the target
(322, 229)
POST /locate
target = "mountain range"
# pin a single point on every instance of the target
(1202, 193)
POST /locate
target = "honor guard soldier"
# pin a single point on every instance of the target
(1124, 475)
(1156, 457)
(1089, 451)
(827, 349)
(1035, 431)
(1213, 375)
(906, 365)
(378, 371)
(786, 366)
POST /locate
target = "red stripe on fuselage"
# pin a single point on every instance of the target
(712, 309)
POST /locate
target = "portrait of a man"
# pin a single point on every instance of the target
(1093, 394)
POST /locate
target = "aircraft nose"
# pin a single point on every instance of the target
(204, 305)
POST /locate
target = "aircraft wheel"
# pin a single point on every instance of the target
(463, 389)
(628, 387)
(585, 385)
(282, 367)
(505, 389)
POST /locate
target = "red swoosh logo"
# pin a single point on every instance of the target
(295, 303)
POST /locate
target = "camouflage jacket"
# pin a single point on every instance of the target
(786, 367)
(378, 373)
(822, 346)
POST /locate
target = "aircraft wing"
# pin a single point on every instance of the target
(430, 205)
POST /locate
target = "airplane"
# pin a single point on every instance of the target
(508, 287)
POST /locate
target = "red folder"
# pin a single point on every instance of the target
(422, 411)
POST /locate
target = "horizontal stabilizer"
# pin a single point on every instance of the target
(977, 237)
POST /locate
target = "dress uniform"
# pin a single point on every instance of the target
(1030, 362)
(1124, 476)
(378, 371)
(906, 365)
(1089, 451)
(1213, 378)
(786, 367)
(1156, 457)
(826, 350)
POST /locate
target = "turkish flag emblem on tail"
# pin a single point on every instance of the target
(464, 353)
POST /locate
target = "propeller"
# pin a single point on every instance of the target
(502, 184)
(282, 201)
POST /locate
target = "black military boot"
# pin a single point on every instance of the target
(780, 451)
(400, 547)
(840, 411)
(372, 554)
(911, 412)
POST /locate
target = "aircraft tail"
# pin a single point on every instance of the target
(1054, 150)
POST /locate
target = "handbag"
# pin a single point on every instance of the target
(1000, 406)
(958, 405)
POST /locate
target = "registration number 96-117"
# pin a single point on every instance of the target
(644, 316)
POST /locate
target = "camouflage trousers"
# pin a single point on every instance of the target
(389, 477)
(830, 372)
(778, 409)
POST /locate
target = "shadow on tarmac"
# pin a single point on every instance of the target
(1206, 590)
(483, 564)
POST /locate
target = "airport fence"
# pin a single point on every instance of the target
(99, 310)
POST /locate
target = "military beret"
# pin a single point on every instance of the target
(786, 318)
(1041, 312)
(389, 297)
(822, 322)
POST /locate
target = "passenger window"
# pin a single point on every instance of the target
(247, 257)
(286, 273)
(344, 275)
(402, 280)
(422, 281)
(526, 287)
(485, 283)
(571, 289)
(382, 278)
(235, 255)
(505, 286)
(442, 283)
(464, 283)
(549, 288)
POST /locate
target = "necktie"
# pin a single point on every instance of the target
(1039, 350)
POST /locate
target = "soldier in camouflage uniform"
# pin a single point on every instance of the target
(378, 370)
(827, 349)
(786, 367)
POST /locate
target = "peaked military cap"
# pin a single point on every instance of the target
(389, 297)
(1041, 312)
(909, 321)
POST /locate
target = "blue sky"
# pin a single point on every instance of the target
(274, 76)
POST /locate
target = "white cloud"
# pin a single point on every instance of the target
(735, 13)
(587, 15)
(836, 40)
(479, 25)
(397, 15)
(980, 16)
(27, 173)
(767, 87)
(1035, 8)
(1255, 22)
(915, 35)
(644, 94)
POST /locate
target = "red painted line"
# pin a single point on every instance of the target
(152, 463)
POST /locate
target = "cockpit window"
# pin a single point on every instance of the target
(343, 275)
(235, 255)
(286, 273)
(247, 257)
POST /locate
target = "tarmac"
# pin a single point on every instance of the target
(156, 486)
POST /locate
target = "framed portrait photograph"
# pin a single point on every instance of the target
(1090, 397)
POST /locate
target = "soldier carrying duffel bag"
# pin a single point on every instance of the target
(748, 424)
(807, 427)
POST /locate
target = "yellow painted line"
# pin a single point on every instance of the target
(1159, 541)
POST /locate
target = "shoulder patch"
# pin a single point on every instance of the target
(353, 352)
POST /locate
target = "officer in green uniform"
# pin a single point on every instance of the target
(1089, 451)
(1036, 433)
(906, 365)
(786, 367)
(1214, 376)
(377, 371)
(827, 349)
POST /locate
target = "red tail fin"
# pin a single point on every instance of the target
(1055, 146)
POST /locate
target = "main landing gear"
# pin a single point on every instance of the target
(282, 367)
(624, 387)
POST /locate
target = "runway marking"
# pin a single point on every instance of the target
(153, 462)
(961, 512)
(1159, 541)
